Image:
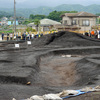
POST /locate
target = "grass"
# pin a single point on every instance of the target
(10, 31)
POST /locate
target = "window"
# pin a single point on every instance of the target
(86, 23)
(74, 22)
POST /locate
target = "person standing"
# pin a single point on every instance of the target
(89, 33)
(96, 34)
(92, 34)
(11, 36)
(32, 35)
(24, 36)
(7, 36)
(99, 34)
(39, 35)
(2, 36)
(28, 36)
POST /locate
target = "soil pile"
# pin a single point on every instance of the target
(66, 39)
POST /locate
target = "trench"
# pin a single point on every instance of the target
(59, 70)
(51, 69)
(74, 67)
(63, 67)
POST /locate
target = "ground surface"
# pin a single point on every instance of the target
(47, 65)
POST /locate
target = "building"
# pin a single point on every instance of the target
(11, 18)
(45, 25)
(82, 20)
(4, 21)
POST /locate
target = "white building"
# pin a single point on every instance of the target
(45, 24)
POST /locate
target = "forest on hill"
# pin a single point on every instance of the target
(26, 12)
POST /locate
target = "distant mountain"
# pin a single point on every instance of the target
(3, 13)
(25, 12)
(91, 8)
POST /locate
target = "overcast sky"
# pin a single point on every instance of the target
(51, 3)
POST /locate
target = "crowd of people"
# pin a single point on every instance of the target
(28, 36)
(93, 34)
(20, 36)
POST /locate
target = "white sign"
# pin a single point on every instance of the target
(17, 45)
(28, 42)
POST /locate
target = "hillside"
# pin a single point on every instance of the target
(25, 12)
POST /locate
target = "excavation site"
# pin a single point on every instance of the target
(50, 64)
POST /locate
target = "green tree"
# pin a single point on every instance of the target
(31, 16)
(37, 16)
(98, 14)
(27, 21)
(55, 15)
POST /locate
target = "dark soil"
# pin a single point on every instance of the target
(47, 66)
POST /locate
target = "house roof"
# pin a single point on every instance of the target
(31, 24)
(80, 14)
(46, 22)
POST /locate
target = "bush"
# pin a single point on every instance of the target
(30, 29)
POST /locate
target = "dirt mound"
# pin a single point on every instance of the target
(70, 39)
(65, 39)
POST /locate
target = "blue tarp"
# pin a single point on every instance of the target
(9, 22)
(79, 93)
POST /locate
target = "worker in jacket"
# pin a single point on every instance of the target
(92, 33)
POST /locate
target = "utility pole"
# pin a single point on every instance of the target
(14, 16)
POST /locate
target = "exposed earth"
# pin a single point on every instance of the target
(52, 63)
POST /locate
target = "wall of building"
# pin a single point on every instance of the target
(66, 20)
(79, 22)
(92, 22)
(42, 28)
